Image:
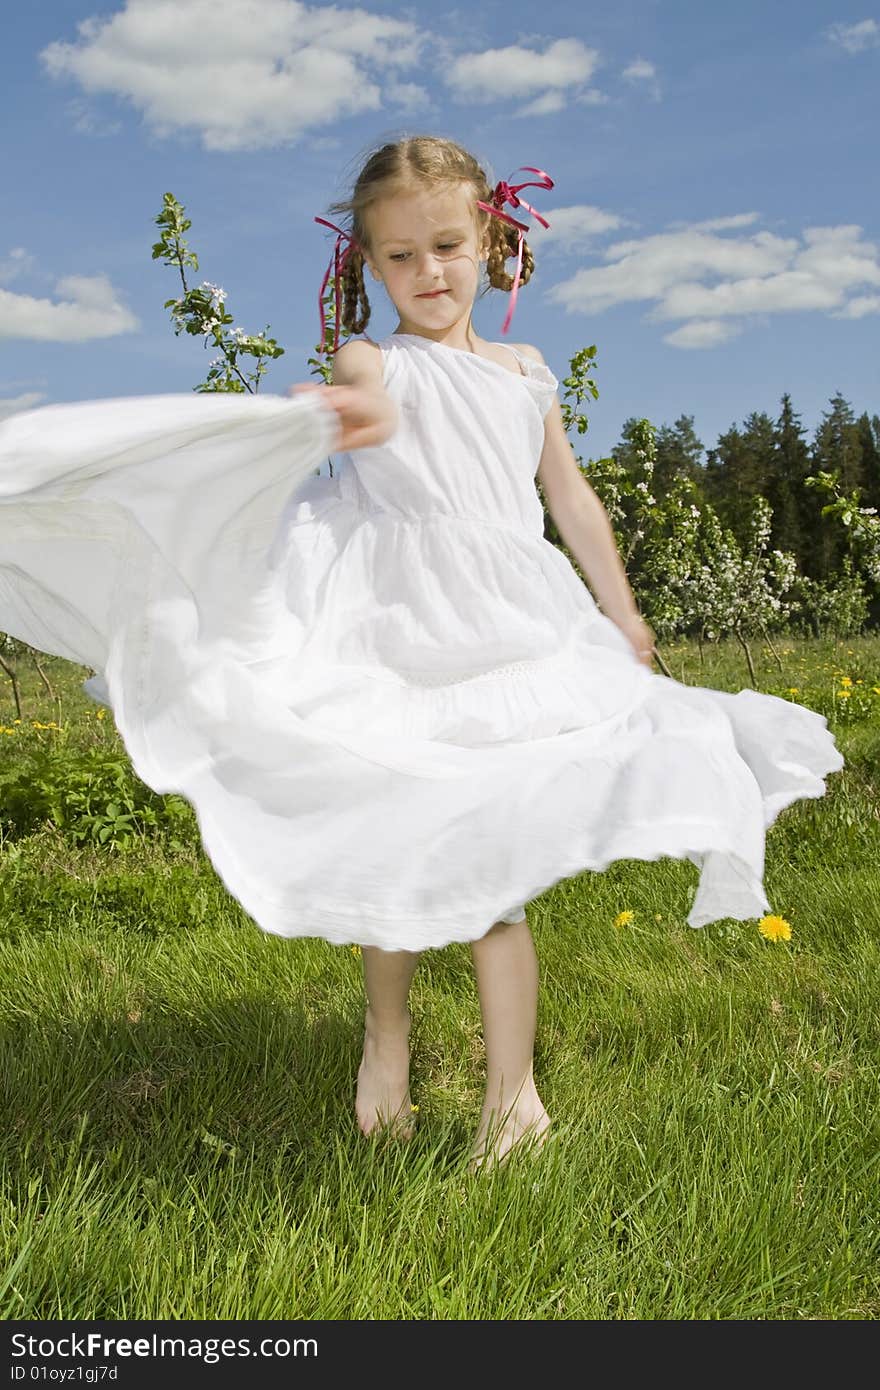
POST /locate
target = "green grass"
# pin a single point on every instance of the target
(178, 1138)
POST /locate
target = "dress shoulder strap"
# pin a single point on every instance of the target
(541, 382)
(520, 357)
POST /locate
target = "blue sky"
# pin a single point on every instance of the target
(714, 225)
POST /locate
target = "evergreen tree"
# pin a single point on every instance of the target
(717, 471)
(742, 467)
(726, 464)
(869, 437)
(795, 507)
(759, 443)
(838, 444)
(679, 455)
(837, 447)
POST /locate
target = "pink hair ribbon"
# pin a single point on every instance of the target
(338, 262)
(505, 192)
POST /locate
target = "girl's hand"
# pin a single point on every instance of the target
(365, 417)
(640, 637)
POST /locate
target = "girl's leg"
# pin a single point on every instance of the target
(506, 967)
(383, 1077)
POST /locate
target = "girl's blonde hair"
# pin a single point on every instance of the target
(419, 161)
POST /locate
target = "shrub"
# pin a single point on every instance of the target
(91, 798)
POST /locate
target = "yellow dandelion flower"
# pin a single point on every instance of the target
(876, 689)
(845, 680)
(16, 721)
(355, 950)
(101, 714)
(414, 1110)
(774, 928)
(793, 690)
(844, 694)
(623, 918)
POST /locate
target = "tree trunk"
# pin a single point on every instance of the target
(771, 646)
(15, 692)
(43, 677)
(661, 663)
(745, 646)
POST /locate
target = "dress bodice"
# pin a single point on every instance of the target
(468, 440)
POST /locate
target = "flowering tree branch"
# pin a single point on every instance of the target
(202, 312)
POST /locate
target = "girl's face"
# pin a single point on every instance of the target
(425, 249)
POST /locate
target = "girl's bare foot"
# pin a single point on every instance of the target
(508, 1124)
(383, 1100)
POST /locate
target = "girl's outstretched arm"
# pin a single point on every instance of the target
(584, 526)
(367, 415)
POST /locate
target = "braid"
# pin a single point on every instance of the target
(355, 307)
(503, 245)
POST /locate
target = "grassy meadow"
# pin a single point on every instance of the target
(178, 1138)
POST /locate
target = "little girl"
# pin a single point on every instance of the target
(398, 712)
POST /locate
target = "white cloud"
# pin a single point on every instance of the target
(17, 262)
(544, 105)
(12, 405)
(88, 307)
(243, 74)
(408, 95)
(546, 80)
(703, 334)
(708, 280)
(791, 289)
(839, 258)
(650, 267)
(573, 226)
(855, 37)
(860, 306)
(88, 122)
(641, 72)
(721, 224)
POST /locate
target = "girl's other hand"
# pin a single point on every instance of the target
(365, 417)
(640, 637)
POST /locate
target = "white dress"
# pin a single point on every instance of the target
(397, 710)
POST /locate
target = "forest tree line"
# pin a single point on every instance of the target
(771, 459)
